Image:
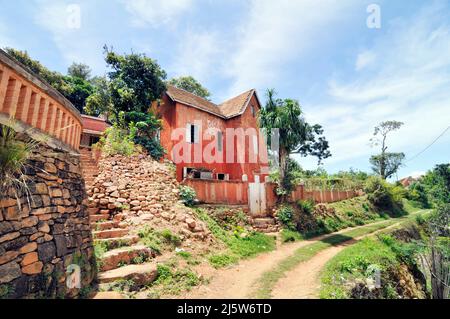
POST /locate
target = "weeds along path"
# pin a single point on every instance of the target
(303, 281)
(243, 280)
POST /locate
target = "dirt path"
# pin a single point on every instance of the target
(303, 282)
(238, 281)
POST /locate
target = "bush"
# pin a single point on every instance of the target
(188, 195)
(306, 206)
(384, 195)
(118, 141)
(286, 216)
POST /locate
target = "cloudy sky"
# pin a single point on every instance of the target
(347, 77)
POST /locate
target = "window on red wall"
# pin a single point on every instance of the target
(253, 110)
(219, 141)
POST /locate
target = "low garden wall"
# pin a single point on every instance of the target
(219, 192)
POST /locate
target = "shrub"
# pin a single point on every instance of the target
(188, 195)
(384, 195)
(288, 235)
(285, 215)
(117, 141)
(14, 155)
(306, 206)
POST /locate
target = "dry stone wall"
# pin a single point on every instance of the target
(49, 232)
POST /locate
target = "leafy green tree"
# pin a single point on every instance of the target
(188, 83)
(100, 101)
(437, 184)
(135, 82)
(385, 164)
(79, 91)
(295, 134)
(80, 70)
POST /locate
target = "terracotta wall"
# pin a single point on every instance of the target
(220, 192)
(26, 98)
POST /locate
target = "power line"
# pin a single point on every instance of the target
(426, 148)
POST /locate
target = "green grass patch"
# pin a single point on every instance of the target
(288, 235)
(271, 277)
(354, 262)
(241, 244)
(172, 281)
(158, 240)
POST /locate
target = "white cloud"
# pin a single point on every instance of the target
(409, 84)
(364, 59)
(155, 12)
(197, 54)
(275, 33)
(77, 43)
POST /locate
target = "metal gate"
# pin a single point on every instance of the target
(257, 198)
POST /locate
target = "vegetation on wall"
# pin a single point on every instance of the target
(14, 155)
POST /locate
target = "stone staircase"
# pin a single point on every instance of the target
(125, 258)
(88, 166)
(265, 224)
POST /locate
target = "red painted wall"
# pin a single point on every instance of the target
(176, 115)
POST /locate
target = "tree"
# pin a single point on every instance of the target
(136, 81)
(79, 70)
(437, 184)
(79, 92)
(100, 101)
(188, 83)
(295, 134)
(385, 164)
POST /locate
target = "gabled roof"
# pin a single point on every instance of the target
(226, 110)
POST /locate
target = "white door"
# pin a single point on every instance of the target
(257, 198)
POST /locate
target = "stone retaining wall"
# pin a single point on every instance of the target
(40, 240)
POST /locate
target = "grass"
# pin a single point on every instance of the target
(241, 244)
(172, 281)
(271, 277)
(354, 262)
(158, 240)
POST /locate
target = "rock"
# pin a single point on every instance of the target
(33, 269)
(9, 237)
(45, 228)
(56, 192)
(191, 223)
(50, 168)
(30, 222)
(28, 248)
(8, 256)
(9, 272)
(47, 251)
(29, 258)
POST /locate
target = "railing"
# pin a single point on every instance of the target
(25, 97)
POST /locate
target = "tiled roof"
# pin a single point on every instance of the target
(236, 105)
(230, 108)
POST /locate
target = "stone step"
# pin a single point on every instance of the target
(98, 217)
(105, 225)
(118, 242)
(110, 233)
(264, 221)
(125, 256)
(141, 275)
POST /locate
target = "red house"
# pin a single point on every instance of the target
(213, 141)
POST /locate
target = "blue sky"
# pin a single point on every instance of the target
(346, 76)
